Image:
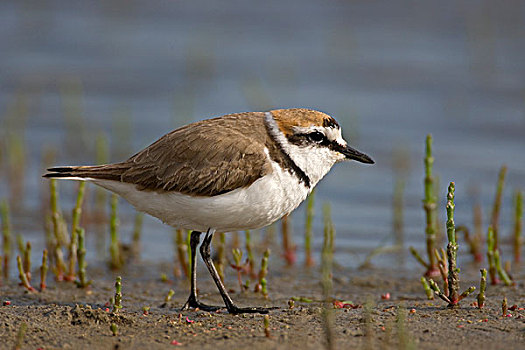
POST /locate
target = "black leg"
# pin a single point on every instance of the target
(206, 256)
(193, 302)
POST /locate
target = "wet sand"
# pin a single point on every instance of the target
(64, 316)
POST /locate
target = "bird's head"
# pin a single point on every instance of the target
(313, 140)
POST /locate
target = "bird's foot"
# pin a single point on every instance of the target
(235, 310)
(193, 303)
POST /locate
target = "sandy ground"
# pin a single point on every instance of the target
(64, 316)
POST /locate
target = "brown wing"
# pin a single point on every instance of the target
(205, 158)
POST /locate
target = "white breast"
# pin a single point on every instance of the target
(265, 201)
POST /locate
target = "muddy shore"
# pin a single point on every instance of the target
(64, 316)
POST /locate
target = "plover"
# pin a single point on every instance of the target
(235, 172)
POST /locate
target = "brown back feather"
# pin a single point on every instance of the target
(206, 158)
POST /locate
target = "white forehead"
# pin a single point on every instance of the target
(331, 133)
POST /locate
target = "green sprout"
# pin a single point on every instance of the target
(117, 305)
(308, 231)
(453, 298)
(6, 236)
(497, 205)
(430, 207)
(482, 288)
(23, 276)
(262, 286)
(43, 270)
(114, 247)
(518, 225)
(77, 211)
(82, 281)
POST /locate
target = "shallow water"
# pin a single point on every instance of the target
(390, 72)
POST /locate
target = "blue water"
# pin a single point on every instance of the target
(389, 71)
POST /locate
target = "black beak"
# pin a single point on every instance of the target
(351, 153)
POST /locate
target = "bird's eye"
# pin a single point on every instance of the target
(316, 136)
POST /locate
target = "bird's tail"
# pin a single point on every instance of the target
(91, 172)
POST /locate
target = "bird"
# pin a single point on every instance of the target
(230, 173)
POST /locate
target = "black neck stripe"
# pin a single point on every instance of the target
(279, 155)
